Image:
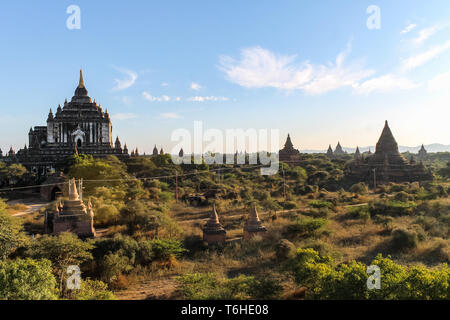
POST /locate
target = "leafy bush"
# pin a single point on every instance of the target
(319, 204)
(385, 221)
(392, 208)
(112, 265)
(11, 233)
(27, 279)
(404, 239)
(326, 280)
(360, 188)
(93, 290)
(306, 226)
(163, 249)
(289, 205)
(358, 212)
(208, 286)
(284, 250)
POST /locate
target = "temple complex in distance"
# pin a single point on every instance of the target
(289, 154)
(337, 152)
(386, 164)
(80, 126)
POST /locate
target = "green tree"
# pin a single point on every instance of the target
(11, 232)
(63, 250)
(93, 290)
(27, 279)
(326, 280)
(15, 171)
(445, 172)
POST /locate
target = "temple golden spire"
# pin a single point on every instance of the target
(81, 90)
(81, 83)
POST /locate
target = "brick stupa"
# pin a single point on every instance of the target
(213, 231)
(73, 215)
(253, 226)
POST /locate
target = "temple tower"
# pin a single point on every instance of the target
(357, 154)
(339, 151)
(80, 123)
(330, 152)
(386, 164)
(289, 154)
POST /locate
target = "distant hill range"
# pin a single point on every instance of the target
(434, 147)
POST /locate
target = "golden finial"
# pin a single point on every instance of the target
(81, 84)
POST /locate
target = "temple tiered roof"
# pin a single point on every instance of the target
(387, 164)
(289, 153)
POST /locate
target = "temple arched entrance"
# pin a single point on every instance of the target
(55, 193)
(53, 187)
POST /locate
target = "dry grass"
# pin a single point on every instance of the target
(345, 239)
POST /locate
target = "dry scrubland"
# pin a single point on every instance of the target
(345, 237)
(323, 231)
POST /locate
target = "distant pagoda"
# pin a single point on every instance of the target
(422, 153)
(386, 163)
(339, 151)
(289, 154)
(357, 155)
(330, 152)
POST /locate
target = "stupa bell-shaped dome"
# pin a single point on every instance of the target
(81, 90)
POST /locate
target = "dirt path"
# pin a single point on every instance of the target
(32, 205)
(148, 290)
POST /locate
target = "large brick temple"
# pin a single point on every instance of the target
(80, 126)
(386, 164)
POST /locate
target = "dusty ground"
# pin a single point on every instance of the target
(31, 205)
(159, 289)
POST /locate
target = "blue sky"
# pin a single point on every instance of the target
(312, 69)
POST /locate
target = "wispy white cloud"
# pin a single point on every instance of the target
(170, 115)
(164, 84)
(422, 58)
(122, 84)
(207, 98)
(426, 33)
(123, 116)
(259, 67)
(385, 83)
(147, 96)
(196, 86)
(440, 82)
(408, 28)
